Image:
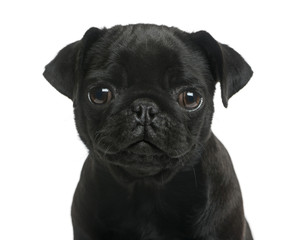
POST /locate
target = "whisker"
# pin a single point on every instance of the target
(195, 175)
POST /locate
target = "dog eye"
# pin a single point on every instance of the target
(98, 95)
(190, 100)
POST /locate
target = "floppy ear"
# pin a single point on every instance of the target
(63, 70)
(226, 65)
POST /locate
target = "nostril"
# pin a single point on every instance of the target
(138, 110)
(140, 113)
(151, 112)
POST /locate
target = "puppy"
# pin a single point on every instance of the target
(143, 105)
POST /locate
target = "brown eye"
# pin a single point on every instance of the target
(190, 100)
(99, 95)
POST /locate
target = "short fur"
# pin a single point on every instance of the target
(155, 170)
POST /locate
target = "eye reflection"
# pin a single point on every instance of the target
(190, 100)
(99, 95)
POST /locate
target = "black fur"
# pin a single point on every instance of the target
(155, 170)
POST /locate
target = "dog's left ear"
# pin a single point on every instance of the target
(63, 70)
(226, 65)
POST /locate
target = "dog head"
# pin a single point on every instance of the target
(143, 95)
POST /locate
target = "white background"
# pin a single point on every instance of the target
(41, 155)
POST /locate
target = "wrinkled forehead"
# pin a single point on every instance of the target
(131, 57)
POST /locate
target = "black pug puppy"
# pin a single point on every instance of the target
(143, 105)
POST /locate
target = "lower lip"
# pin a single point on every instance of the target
(144, 148)
(159, 176)
(139, 173)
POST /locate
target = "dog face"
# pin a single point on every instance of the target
(143, 95)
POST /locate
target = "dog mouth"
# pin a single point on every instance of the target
(143, 161)
(129, 174)
(145, 148)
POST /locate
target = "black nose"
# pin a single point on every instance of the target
(145, 111)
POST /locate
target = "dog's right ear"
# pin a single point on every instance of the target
(62, 71)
